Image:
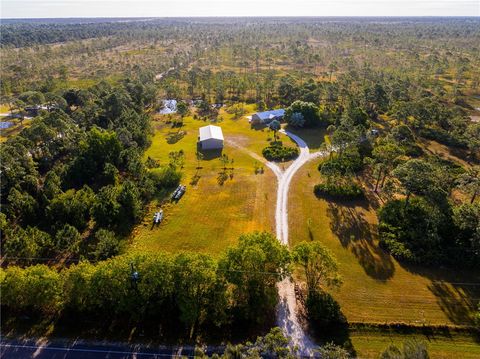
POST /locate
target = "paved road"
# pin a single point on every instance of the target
(15, 349)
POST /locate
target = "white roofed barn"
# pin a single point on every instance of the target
(210, 137)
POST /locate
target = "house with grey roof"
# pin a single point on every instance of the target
(267, 116)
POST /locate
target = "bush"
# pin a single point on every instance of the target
(277, 152)
(165, 177)
(185, 289)
(346, 191)
(107, 244)
(67, 239)
(36, 289)
(351, 161)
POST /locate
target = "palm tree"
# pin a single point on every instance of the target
(274, 126)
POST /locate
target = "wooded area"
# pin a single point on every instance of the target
(395, 104)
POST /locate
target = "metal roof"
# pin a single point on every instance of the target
(169, 106)
(268, 115)
(209, 132)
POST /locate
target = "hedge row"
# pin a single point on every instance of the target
(346, 191)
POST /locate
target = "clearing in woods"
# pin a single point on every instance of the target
(376, 288)
(214, 212)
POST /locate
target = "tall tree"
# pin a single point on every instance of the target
(318, 265)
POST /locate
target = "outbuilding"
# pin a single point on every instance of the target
(268, 116)
(210, 137)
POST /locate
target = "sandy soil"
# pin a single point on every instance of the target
(287, 311)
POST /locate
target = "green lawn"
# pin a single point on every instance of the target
(314, 137)
(376, 287)
(370, 344)
(211, 216)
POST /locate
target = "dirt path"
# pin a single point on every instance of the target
(287, 311)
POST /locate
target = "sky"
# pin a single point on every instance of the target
(186, 8)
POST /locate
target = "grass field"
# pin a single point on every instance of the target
(376, 287)
(211, 215)
(370, 344)
(13, 130)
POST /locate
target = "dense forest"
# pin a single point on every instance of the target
(75, 181)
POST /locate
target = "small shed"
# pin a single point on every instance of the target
(210, 137)
(268, 116)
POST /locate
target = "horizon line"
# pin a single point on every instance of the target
(242, 17)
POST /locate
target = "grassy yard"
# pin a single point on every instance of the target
(211, 215)
(17, 127)
(370, 344)
(376, 287)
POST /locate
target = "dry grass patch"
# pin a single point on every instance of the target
(214, 211)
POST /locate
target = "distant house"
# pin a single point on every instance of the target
(268, 116)
(34, 111)
(210, 137)
(169, 106)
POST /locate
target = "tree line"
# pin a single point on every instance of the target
(186, 293)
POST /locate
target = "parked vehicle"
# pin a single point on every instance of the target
(179, 192)
(157, 218)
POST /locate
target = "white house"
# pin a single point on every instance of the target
(210, 137)
(268, 116)
(169, 106)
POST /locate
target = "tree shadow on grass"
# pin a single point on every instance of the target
(313, 137)
(258, 126)
(457, 291)
(326, 321)
(195, 179)
(456, 302)
(173, 137)
(355, 233)
(209, 155)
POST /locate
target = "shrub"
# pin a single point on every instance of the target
(346, 191)
(107, 244)
(67, 239)
(351, 161)
(165, 177)
(36, 289)
(187, 288)
(277, 152)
